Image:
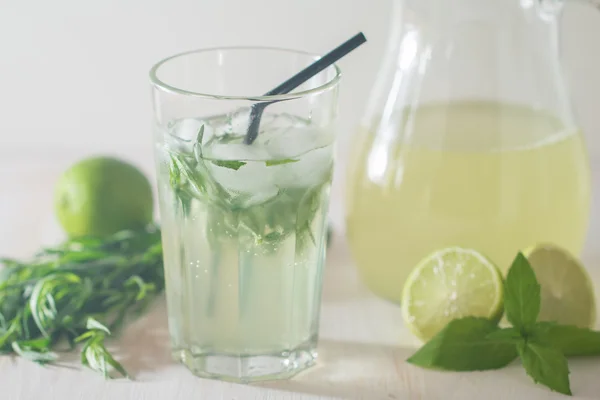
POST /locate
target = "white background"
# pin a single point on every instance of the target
(73, 74)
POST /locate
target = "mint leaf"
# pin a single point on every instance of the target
(545, 365)
(521, 295)
(509, 335)
(270, 163)
(229, 164)
(570, 340)
(463, 345)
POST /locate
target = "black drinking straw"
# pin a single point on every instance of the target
(298, 79)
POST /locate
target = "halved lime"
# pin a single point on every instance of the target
(451, 283)
(567, 291)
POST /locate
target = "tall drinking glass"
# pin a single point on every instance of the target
(243, 225)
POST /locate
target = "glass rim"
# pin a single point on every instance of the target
(158, 83)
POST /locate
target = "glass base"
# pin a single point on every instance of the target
(250, 368)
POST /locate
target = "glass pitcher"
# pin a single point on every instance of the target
(469, 139)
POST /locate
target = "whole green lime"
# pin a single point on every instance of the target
(99, 196)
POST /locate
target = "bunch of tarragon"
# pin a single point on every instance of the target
(78, 293)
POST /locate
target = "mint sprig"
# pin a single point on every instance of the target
(474, 344)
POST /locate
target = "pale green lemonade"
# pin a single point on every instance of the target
(244, 242)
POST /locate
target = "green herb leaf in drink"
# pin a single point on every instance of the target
(178, 183)
(235, 165)
(198, 144)
(307, 209)
(200, 135)
(270, 163)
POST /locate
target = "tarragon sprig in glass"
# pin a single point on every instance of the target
(292, 210)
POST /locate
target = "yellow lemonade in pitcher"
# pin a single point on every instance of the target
(490, 176)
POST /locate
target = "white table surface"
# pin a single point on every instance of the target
(362, 348)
